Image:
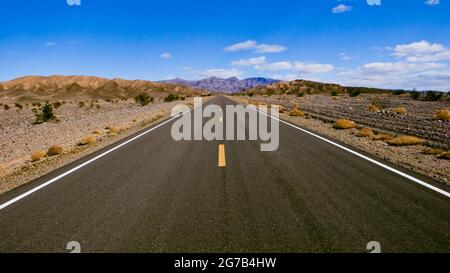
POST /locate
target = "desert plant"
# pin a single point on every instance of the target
(445, 155)
(343, 124)
(143, 99)
(365, 132)
(18, 106)
(300, 94)
(296, 113)
(443, 114)
(404, 141)
(81, 104)
(87, 140)
(6, 107)
(372, 108)
(114, 128)
(414, 95)
(354, 93)
(38, 155)
(45, 114)
(433, 95)
(399, 110)
(334, 93)
(171, 98)
(432, 151)
(398, 92)
(55, 150)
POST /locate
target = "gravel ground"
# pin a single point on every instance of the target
(19, 137)
(407, 156)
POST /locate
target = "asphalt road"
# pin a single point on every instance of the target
(158, 195)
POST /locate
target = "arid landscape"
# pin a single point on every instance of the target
(87, 113)
(411, 129)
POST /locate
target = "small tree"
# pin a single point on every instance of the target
(45, 114)
(143, 99)
(171, 98)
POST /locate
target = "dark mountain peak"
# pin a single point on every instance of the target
(228, 85)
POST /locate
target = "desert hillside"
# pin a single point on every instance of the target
(40, 88)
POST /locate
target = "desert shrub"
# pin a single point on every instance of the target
(6, 107)
(296, 113)
(414, 95)
(171, 98)
(381, 103)
(45, 114)
(334, 93)
(300, 94)
(445, 155)
(18, 106)
(398, 92)
(143, 99)
(372, 108)
(404, 141)
(250, 94)
(343, 124)
(55, 150)
(57, 104)
(38, 155)
(433, 95)
(87, 140)
(97, 131)
(365, 132)
(81, 104)
(36, 104)
(399, 110)
(432, 151)
(114, 128)
(354, 93)
(443, 114)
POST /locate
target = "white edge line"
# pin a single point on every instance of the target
(43, 185)
(412, 178)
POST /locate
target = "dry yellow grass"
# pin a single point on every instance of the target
(87, 140)
(114, 129)
(365, 132)
(296, 113)
(372, 108)
(281, 109)
(432, 151)
(55, 150)
(382, 137)
(404, 141)
(98, 132)
(443, 114)
(343, 124)
(38, 155)
(445, 155)
(399, 110)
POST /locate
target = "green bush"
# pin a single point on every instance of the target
(414, 95)
(433, 95)
(171, 98)
(143, 99)
(301, 94)
(334, 93)
(45, 114)
(354, 93)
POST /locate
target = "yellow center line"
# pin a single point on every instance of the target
(222, 162)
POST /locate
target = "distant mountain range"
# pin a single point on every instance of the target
(229, 85)
(40, 88)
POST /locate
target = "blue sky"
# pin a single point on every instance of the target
(398, 44)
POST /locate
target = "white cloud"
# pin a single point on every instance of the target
(341, 8)
(242, 46)
(166, 56)
(50, 43)
(422, 51)
(298, 67)
(432, 2)
(265, 48)
(74, 2)
(251, 61)
(346, 57)
(258, 48)
(221, 73)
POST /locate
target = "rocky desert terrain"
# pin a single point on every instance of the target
(88, 114)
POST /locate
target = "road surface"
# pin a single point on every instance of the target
(158, 195)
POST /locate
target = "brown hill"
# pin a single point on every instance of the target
(309, 87)
(40, 88)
